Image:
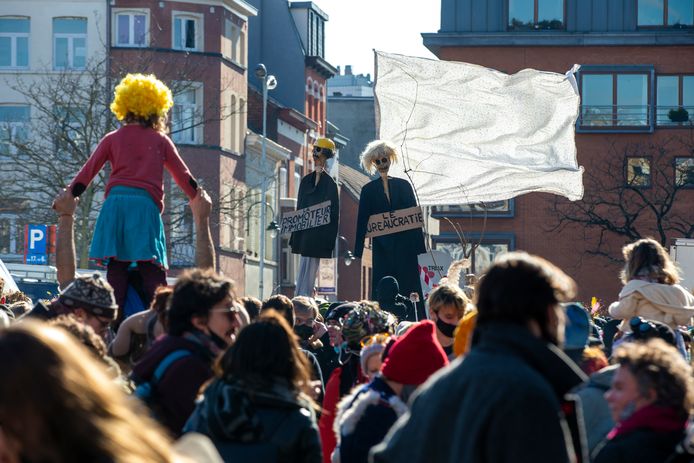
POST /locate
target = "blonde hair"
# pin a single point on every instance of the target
(375, 150)
(58, 404)
(647, 258)
(449, 295)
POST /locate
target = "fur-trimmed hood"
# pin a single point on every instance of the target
(354, 406)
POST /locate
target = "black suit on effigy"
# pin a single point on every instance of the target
(394, 254)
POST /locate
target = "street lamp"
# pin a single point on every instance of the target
(269, 83)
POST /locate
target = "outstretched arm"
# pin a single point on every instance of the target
(65, 261)
(201, 206)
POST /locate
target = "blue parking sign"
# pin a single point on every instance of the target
(35, 242)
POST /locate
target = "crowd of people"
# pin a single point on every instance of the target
(517, 373)
(508, 369)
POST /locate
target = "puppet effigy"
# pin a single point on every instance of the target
(394, 254)
(318, 242)
(129, 228)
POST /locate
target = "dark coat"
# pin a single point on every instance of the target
(640, 446)
(649, 435)
(257, 423)
(318, 241)
(501, 404)
(176, 391)
(394, 254)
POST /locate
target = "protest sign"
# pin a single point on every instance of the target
(308, 217)
(394, 222)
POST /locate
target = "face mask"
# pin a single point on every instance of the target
(446, 328)
(304, 332)
(217, 340)
(407, 391)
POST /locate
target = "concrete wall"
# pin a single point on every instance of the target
(355, 117)
(275, 42)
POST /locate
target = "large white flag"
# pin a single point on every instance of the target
(469, 134)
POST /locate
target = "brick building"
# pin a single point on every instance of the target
(637, 62)
(200, 49)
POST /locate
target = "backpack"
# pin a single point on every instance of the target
(146, 390)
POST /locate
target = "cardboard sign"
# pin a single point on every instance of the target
(308, 217)
(394, 222)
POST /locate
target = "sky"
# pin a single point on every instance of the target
(356, 27)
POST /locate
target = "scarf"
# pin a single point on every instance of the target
(651, 417)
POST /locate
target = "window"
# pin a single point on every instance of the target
(69, 43)
(615, 100)
(675, 100)
(14, 128)
(234, 45)
(131, 28)
(491, 246)
(187, 32)
(638, 172)
(297, 180)
(666, 13)
(14, 42)
(241, 125)
(490, 209)
(684, 172)
(535, 14)
(11, 236)
(70, 131)
(185, 124)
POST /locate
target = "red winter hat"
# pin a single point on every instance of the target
(415, 356)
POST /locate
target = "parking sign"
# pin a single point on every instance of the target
(35, 240)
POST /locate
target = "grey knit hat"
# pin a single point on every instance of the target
(92, 293)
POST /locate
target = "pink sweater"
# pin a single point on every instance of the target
(138, 156)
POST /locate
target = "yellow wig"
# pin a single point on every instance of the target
(141, 95)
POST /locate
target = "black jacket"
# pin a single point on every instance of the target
(318, 241)
(394, 254)
(640, 446)
(501, 404)
(259, 423)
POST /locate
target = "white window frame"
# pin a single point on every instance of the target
(13, 36)
(197, 128)
(14, 126)
(131, 13)
(70, 46)
(199, 29)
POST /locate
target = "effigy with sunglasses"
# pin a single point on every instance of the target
(319, 201)
(390, 215)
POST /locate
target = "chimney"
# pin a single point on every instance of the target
(338, 71)
(348, 70)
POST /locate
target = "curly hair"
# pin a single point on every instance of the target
(659, 367)
(195, 293)
(374, 150)
(142, 98)
(647, 258)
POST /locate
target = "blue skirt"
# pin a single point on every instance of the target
(129, 228)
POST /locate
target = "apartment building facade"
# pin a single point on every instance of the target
(637, 90)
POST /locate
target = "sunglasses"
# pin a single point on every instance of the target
(378, 338)
(378, 162)
(319, 150)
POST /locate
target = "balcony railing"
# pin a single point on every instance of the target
(612, 116)
(677, 116)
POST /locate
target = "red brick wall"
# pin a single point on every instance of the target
(350, 285)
